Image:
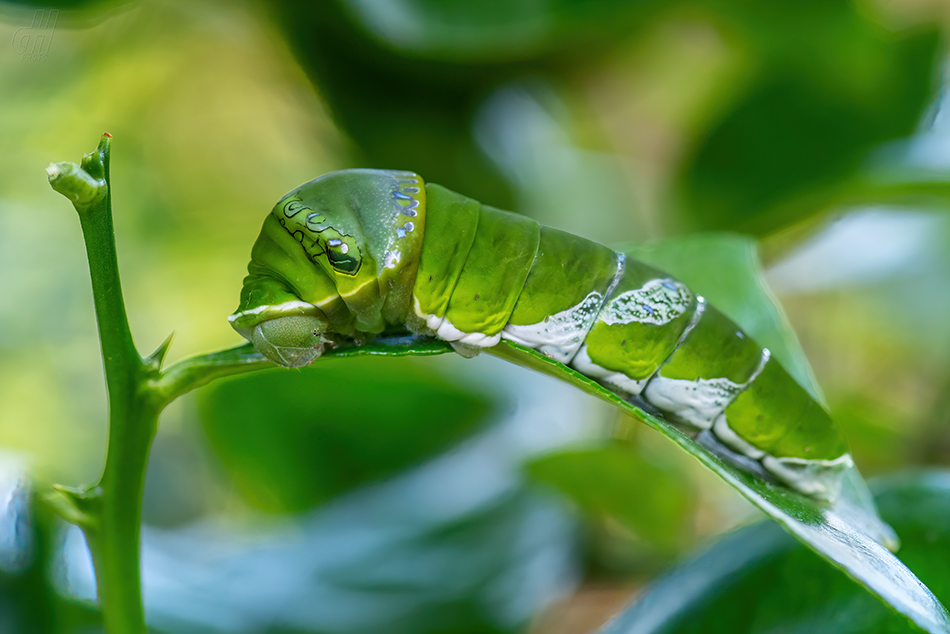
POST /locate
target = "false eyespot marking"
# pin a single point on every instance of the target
(314, 220)
(293, 206)
(404, 198)
(335, 249)
(404, 230)
(406, 205)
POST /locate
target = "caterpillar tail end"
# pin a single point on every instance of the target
(818, 479)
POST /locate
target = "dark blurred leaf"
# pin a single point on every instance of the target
(293, 439)
(29, 604)
(615, 481)
(829, 85)
(412, 556)
(405, 78)
(761, 580)
(898, 185)
(64, 13)
(489, 30)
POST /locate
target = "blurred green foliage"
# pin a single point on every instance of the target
(28, 602)
(406, 79)
(826, 87)
(615, 481)
(323, 436)
(622, 121)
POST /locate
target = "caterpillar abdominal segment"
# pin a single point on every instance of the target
(355, 253)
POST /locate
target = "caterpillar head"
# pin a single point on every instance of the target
(337, 255)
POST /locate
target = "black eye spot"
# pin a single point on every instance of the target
(343, 262)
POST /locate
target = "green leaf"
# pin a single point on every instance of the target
(760, 580)
(724, 268)
(846, 536)
(294, 439)
(397, 346)
(827, 86)
(898, 185)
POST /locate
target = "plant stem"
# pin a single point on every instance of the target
(115, 537)
(123, 365)
(193, 372)
(113, 530)
(110, 512)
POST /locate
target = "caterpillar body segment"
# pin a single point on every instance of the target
(487, 285)
(361, 252)
(563, 294)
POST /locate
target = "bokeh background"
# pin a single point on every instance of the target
(442, 495)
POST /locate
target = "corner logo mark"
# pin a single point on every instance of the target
(31, 43)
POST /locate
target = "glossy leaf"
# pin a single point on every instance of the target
(725, 269)
(847, 536)
(760, 580)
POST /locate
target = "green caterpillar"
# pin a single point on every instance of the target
(357, 253)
